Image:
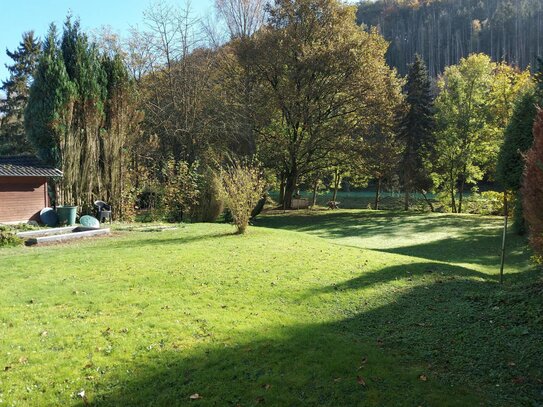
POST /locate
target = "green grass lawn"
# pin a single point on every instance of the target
(346, 308)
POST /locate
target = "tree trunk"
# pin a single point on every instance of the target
(315, 186)
(505, 217)
(406, 187)
(453, 201)
(282, 191)
(336, 184)
(428, 201)
(461, 195)
(377, 194)
(290, 187)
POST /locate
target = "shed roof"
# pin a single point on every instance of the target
(26, 166)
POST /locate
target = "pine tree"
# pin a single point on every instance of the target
(16, 89)
(416, 129)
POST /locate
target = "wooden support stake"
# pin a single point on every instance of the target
(505, 216)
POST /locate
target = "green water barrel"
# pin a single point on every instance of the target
(66, 215)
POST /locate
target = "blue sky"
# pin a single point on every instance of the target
(25, 15)
(19, 16)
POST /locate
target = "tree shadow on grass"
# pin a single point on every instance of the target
(472, 341)
(481, 248)
(419, 273)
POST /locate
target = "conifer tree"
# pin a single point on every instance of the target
(86, 72)
(48, 111)
(416, 129)
(16, 89)
(518, 139)
(532, 187)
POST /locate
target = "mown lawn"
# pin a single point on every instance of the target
(347, 308)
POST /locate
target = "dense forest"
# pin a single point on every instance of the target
(444, 31)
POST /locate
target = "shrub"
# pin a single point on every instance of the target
(8, 238)
(242, 187)
(532, 187)
(211, 202)
(488, 203)
(181, 190)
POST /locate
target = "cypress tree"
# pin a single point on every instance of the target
(416, 129)
(16, 89)
(82, 153)
(48, 112)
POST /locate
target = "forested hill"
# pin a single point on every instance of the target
(443, 31)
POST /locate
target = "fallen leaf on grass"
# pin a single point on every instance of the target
(266, 386)
(360, 380)
(260, 400)
(423, 378)
(518, 380)
(23, 360)
(337, 379)
(195, 396)
(362, 363)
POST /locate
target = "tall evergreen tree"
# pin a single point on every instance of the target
(81, 113)
(85, 70)
(16, 89)
(416, 129)
(48, 111)
(532, 188)
(518, 139)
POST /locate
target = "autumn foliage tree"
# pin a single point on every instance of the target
(323, 78)
(532, 187)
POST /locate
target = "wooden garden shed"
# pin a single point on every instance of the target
(23, 188)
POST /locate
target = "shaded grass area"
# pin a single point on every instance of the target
(275, 318)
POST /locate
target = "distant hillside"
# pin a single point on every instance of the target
(443, 31)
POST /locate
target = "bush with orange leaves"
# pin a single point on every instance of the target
(532, 188)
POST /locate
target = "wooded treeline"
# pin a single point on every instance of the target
(178, 120)
(444, 31)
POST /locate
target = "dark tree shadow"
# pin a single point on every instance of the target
(477, 248)
(474, 342)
